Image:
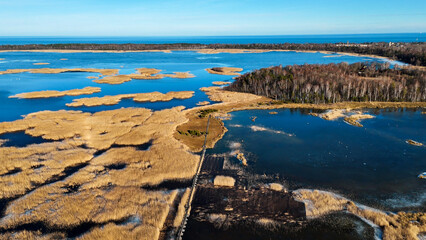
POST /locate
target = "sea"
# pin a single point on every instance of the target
(325, 38)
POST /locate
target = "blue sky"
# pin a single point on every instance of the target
(208, 17)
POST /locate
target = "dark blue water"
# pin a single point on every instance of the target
(11, 84)
(334, 38)
(373, 164)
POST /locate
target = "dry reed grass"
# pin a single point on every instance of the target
(414, 143)
(395, 226)
(50, 159)
(219, 83)
(27, 235)
(107, 187)
(106, 72)
(224, 181)
(54, 93)
(355, 118)
(276, 187)
(217, 94)
(181, 208)
(224, 71)
(143, 74)
(137, 97)
(350, 117)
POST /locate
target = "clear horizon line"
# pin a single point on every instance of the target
(255, 35)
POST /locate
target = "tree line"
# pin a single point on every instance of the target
(331, 83)
(412, 53)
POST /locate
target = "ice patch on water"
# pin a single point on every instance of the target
(263, 129)
(234, 145)
(403, 201)
(236, 125)
(204, 58)
(25, 60)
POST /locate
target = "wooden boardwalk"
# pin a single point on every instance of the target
(182, 226)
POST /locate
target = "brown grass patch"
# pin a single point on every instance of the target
(181, 208)
(276, 187)
(54, 93)
(143, 74)
(218, 95)
(219, 83)
(105, 72)
(119, 79)
(224, 181)
(137, 97)
(224, 71)
(195, 143)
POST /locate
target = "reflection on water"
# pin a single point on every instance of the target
(373, 164)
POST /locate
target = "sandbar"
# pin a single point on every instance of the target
(137, 97)
(41, 63)
(54, 93)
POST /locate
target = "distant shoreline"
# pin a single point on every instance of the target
(203, 51)
(407, 52)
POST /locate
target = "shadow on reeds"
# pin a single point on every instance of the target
(70, 232)
(68, 171)
(141, 147)
(11, 172)
(169, 185)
